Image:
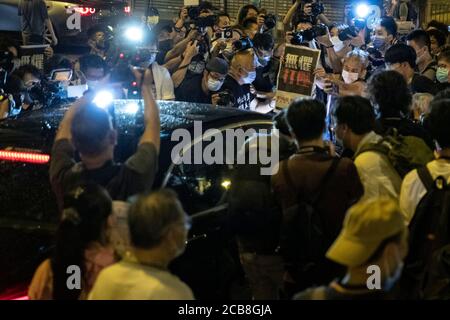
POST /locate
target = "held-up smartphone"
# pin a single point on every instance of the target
(61, 75)
(227, 33)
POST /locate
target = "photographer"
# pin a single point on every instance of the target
(88, 129)
(92, 69)
(199, 88)
(250, 27)
(267, 71)
(312, 10)
(241, 75)
(100, 45)
(21, 83)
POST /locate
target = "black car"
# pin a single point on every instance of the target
(92, 12)
(29, 216)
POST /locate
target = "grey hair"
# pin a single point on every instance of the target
(363, 56)
(151, 215)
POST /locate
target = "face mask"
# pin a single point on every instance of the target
(214, 85)
(264, 61)
(250, 77)
(390, 281)
(165, 45)
(337, 43)
(378, 42)
(349, 77)
(92, 84)
(442, 75)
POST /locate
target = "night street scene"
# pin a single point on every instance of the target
(241, 152)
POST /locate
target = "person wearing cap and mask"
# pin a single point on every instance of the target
(200, 88)
(241, 75)
(373, 244)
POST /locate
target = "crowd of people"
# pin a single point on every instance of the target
(363, 178)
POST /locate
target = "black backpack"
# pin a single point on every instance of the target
(429, 242)
(303, 240)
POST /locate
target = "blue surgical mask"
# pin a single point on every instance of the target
(250, 78)
(442, 75)
(378, 42)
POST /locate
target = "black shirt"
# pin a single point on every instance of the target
(241, 93)
(421, 84)
(190, 90)
(266, 77)
(136, 175)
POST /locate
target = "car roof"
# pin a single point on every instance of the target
(173, 115)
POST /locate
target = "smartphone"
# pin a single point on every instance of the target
(61, 75)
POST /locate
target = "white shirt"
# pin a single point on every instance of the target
(163, 83)
(413, 190)
(132, 281)
(377, 175)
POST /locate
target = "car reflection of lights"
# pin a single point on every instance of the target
(226, 184)
(103, 99)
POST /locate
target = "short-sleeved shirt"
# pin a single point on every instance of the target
(134, 176)
(421, 84)
(241, 93)
(129, 280)
(33, 14)
(190, 90)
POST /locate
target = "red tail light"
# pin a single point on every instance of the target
(127, 9)
(27, 157)
(85, 11)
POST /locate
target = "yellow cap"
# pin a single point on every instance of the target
(366, 225)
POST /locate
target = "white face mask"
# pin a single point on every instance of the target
(338, 44)
(349, 77)
(214, 85)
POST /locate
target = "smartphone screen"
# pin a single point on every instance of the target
(62, 75)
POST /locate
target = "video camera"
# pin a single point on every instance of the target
(303, 36)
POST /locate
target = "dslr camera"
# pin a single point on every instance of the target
(243, 44)
(316, 7)
(226, 98)
(270, 21)
(308, 35)
(227, 33)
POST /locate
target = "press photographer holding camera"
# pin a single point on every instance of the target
(309, 10)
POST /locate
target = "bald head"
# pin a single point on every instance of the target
(242, 64)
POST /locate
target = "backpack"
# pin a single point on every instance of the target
(426, 273)
(303, 240)
(405, 153)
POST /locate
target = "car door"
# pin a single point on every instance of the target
(210, 263)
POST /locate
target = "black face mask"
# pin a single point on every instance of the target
(165, 45)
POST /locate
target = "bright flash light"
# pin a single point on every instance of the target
(362, 10)
(103, 99)
(134, 34)
(131, 108)
(226, 184)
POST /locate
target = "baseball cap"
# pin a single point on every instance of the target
(366, 225)
(217, 65)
